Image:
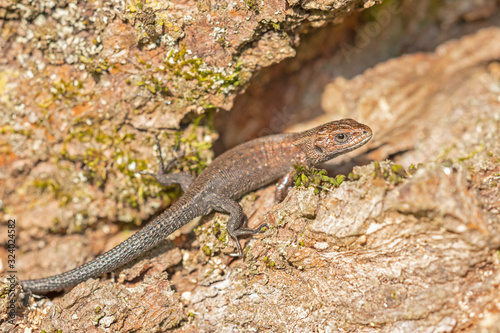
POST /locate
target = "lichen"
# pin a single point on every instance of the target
(178, 67)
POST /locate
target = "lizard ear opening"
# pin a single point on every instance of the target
(321, 143)
(318, 149)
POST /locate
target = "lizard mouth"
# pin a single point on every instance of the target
(365, 140)
(361, 141)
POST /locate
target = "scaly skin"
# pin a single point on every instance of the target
(240, 170)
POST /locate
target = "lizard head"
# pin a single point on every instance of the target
(336, 138)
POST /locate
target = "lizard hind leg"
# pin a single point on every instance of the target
(236, 219)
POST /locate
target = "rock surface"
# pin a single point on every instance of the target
(86, 85)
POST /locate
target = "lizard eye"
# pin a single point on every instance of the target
(341, 138)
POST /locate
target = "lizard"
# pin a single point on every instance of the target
(240, 170)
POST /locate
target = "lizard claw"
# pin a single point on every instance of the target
(160, 156)
(262, 228)
(165, 167)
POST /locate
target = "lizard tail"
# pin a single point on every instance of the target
(143, 240)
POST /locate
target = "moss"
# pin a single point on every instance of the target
(478, 149)
(95, 66)
(66, 90)
(252, 4)
(196, 161)
(305, 177)
(377, 171)
(413, 168)
(339, 180)
(47, 184)
(276, 26)
(153, 85)
(398, 170)
(395, 173)
(135, 190)
(206, 250)
(218, 231)
(353, 176)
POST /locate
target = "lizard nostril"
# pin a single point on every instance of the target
(365, 132)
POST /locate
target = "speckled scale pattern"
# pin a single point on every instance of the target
(240, 170)
(250, 166)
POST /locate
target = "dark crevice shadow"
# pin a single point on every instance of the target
(290, 92)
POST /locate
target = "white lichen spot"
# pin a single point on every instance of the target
(82, 177)
(226, 283)
(40, 20)
(78, 217)
(37, 144)
(71, 59)
(321, 245)
(32, 118)
(107, 321)
(40, 65)
(29, 34)
(375, 226)
(186, 296)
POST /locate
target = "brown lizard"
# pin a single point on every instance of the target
(239, 170)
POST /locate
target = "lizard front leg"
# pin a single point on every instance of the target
(182, 178)
(236, 218)
(164, 178)
(283, 186)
